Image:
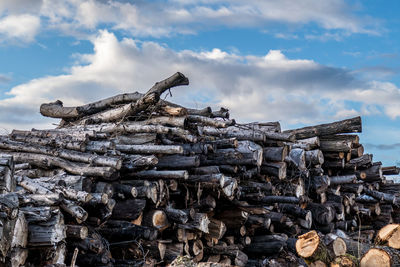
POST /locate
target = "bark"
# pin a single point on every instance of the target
(57, 110)
(150, 149)
(150, 98)
(275, 153)
(178, 162)
(155, 174)
(314, 157)
(76, 231)
(45, 161)
(210, 122)
(129, 209)
(345, 126)
(276, 169)
(7, 181)
(47, 233)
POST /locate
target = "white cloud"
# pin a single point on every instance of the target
(22, 27)
(165, 18)
(270, 87)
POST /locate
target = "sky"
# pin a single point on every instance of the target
(296, 62)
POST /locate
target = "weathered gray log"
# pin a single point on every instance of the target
(225, 143)
(135, 139)
(40, 199)
(71, 167)
(58, 142)
(245, 133)
(57, 110)
(74, 210)
(47, 233)
(275, 153)
(352, 125)
(131, 162)
(129, 209)
(344, 179)
(20, 234)
(307, 144)
(314, 157)
(247, 153)
(150, 98)
(15, 146)
(335, 146)
(199, 221)
(227, 184)
(150, 149)
(155, 174)
(297, 157)
(7, 181)
(210, 122)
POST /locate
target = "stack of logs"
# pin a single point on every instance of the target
(135, 180)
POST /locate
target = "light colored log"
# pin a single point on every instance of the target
(71, 167)
(150, 149)
(113, 162)
(150, 98)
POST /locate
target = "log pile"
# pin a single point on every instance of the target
(136, 180)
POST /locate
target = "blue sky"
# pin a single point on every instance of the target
(298, 62)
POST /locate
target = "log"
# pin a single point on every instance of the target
(45, 161)
(129, 209)
(344, 179)
(149, 149)
(59, 142)
(307, 144)
(380, 256)
(128, 233)
(178, 162)
(275, 153)
(57, 110)
(199, 221)
(335, 146)
(176, 215)
(310, 247)
(47, 233)
(7, 183)
(155, 174)
(150, 98)
(389, 236)
(113, 162)
(276, 169)
(77, 231)
(352, 125)
(314, 157)
(210, 122)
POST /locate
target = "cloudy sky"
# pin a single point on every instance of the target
(297, 62)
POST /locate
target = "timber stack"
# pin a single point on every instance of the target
(136, 180)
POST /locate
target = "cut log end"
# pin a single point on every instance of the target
(307, 244)
(339, 247)
(375, 257)
(389, 235)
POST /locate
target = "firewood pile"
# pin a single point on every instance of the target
(136, 180)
